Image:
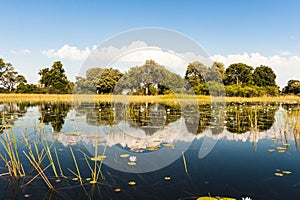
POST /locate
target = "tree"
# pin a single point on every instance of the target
(195, 74)
(108, 80)
(216, 72)
(55, 80)
(293, 87)
(239, 74)
(89, 83)
(151, 74)
(264, 76)
(9, 77)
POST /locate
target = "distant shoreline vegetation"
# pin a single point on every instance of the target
(152, 79)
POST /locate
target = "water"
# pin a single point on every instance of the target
(205, 151)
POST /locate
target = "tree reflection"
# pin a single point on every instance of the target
(54, 114)
(243, 117)
(152, 117)
(10, 112)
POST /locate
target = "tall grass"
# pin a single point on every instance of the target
(137, 98)
(11, 155)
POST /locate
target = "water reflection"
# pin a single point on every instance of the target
(54, 114)
(10, 112)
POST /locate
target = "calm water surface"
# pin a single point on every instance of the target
(204, 151)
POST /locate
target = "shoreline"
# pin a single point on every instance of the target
(137, 98)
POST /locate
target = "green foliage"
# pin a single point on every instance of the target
(239, 74)
(195, 74)
(108, 80)
(250, 91)
(55, 80)
(150, 74)
(89, 83)
(30, 88)
(264, 76)
(9, 77)
(293, 87)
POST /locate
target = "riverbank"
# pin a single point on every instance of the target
(133, 98)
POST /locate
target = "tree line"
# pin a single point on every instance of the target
(237, 79)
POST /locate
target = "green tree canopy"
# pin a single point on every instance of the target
(108, 80)
(55, 79)
(293, 87)
(239, 74)
(90, 82)
(264, 76)
(9, 77)
(150, 74)
(195, 74)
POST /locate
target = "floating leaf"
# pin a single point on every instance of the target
(75, 179)
(286, 172)
(27, 195)
(99, 158)
(117, 190)
(93, 182)
(57, 180)
(227, 198)
(153, 148)
(132, 183)
(88, 179)
(281, 148)
(206, 198)
(286, 144)
(124, 155)
(132, 163)
(167, 178)
(278, 174)
(271, 150)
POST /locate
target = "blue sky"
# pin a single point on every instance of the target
(223, 28)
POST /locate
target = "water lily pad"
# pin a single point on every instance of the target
(286, 172)
(281, 148)
(57, 180)
(124, 155)
(131, 163)
(167, 178)
(153, 148)
(278, 174)
(167, 145)
(99, 158)
(132, 183)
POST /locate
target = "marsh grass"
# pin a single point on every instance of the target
(137, 98)
(11, 157)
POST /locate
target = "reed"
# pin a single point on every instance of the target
(138, 98)
(77, 168)
(11, 156)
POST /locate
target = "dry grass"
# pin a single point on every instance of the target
(133, 98)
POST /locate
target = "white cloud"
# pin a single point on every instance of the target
(284, 64)
(25, 51)
(68, 52)
(285, 67)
